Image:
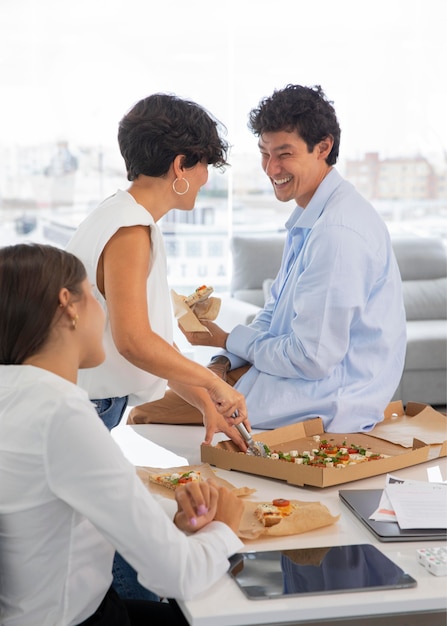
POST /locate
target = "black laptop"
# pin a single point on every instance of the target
(363, 502)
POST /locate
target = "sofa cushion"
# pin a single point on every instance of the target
(426, 345)
(420, 258)
(425, 299)
(251, 296)
(254, 259)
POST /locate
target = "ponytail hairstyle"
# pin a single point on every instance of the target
(31, 277)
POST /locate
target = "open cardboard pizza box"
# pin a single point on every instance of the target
(407, 437)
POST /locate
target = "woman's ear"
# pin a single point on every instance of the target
(177, 165)
(64, 297)
(67, 305)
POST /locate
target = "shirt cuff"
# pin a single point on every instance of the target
(233, 358)
(238, 344)
(232, 541)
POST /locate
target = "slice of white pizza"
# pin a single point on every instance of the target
(174, 480)
(271, 513)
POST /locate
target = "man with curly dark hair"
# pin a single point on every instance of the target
(331, 338)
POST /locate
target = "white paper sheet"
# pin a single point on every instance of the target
(413, 504)
(419, 505)
(385, 511)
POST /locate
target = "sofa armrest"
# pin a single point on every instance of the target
(233, 312)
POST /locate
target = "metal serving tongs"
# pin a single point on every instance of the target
(255, 448)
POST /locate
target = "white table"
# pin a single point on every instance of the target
(225, 604)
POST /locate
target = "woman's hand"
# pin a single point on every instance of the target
(229, 509)
(200, 503)
(214, 423)
(196, 505)
(228, 402)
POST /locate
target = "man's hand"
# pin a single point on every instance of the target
(216, 337)
(220, 365)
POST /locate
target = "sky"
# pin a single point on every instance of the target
(71, 70)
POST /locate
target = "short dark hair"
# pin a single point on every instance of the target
(305, 110)
(162, 126)
(31, 277)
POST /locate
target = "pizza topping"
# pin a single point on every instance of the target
(172, 481)
(200, 294)
(272, 513)
(327, 454)
(280, 502)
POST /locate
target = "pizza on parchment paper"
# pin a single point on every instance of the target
(164, 487)
(295, 518)
(303, 517)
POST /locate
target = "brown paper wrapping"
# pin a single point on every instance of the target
(403, 429)
(205, 471)
(189, 317)
(308, 516)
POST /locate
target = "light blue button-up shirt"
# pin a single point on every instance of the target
(330, 341)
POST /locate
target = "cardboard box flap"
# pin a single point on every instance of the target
(394, 409)
(426, 425)
(414, 408)
(300, 430)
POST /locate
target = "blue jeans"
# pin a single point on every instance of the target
(111, 410)
(125, 581)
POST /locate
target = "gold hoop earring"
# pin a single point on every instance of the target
(180, 193)
(74, 322)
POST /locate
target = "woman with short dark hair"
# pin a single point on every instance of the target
(167, 144)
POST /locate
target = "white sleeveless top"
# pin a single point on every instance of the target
(117, 377)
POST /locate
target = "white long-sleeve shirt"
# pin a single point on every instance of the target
(69, 498)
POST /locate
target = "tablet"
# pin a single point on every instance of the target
(313, 571)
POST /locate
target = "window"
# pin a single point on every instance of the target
(68, 76)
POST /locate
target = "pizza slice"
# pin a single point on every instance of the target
(199, 295)
(174, 480)
(271, 513)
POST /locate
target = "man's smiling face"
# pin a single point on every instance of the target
(295, 172)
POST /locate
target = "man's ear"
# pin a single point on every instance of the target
(325, 147)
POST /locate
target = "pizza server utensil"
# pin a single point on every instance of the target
(255, 448)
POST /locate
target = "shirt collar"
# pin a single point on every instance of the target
(306, 218)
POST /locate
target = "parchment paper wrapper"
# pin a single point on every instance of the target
(205, 470)
(402, 430)
(189, 317)
(308, 516)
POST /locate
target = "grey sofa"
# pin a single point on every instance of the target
(423, 266)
